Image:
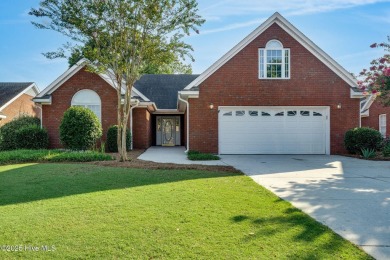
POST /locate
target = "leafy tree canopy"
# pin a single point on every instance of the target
(122, 36)
(376, 79)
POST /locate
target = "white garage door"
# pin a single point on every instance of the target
(273, 130)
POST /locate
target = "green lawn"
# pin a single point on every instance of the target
(87, 211)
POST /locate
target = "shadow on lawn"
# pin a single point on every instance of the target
(306, 229)
(46, 181)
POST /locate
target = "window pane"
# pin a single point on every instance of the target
(253, 113)
(261, 63)
(265, 114)
(229, 113)
(286, 64)
(305, 113)
(279, 114)
(240, 113)
(291, 113)
(317, 114)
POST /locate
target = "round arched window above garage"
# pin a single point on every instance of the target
(89, 99)
(274, 44)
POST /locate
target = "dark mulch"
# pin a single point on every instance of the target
(378, 157)
(136, 163)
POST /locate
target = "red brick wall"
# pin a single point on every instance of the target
(142, 128)
(372, 121)
(237, 84)
(21, 106)
(62, 97)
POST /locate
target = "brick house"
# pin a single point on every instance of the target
(16, 100)
(275, 92)
(375, 115)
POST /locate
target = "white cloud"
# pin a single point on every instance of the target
(226, 9)
(233, 26)
(249, 7)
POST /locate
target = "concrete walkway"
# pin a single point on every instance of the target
(350, 196)
(172, 155)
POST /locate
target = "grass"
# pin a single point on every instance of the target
(23, 156)
(86, 211)
(198, 156)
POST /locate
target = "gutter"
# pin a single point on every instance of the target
(131, 123)
(188, 122)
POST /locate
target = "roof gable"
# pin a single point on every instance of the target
(9, 91)
(276, 18)
(72, 71)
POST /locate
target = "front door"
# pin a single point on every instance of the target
(168, 131)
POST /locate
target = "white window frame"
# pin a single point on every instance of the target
(95, 101)
(263, 59)
(382, 124)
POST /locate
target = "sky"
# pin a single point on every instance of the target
(344, 29)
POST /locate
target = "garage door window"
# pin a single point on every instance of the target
(291, 113)
(279, 114)
(253, 113)
(240, 113)
(317, 114)
(305, 113)
(265, 114)
(229, 113)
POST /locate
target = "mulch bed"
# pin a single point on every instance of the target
(379, 157)
(136, 163)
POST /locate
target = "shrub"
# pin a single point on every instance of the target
(198, 156)
(368, 153)
(24, 156)
(32, 137)
(112, 145)
(357, 139)
(9, 132)
(80, 128)
(386, 150)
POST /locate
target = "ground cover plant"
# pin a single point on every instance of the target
(87, 211)
(198, 156)
(21, 156)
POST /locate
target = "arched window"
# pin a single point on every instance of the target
(89, 99)
(274, 61)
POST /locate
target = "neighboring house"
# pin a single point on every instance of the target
(375, 115)
(16, 100)
(275, 92)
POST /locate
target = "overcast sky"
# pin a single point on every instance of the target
(342, 28)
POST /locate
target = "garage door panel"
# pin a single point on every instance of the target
(297, 130)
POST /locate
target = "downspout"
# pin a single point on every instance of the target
(41, 118)
(188, 122)
(131, 123)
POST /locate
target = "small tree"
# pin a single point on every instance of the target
(376, 79)
(125, 34)
(80, 129)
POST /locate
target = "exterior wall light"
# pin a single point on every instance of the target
(211, 106)
(339, 106)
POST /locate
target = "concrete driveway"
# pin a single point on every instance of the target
(349, 195)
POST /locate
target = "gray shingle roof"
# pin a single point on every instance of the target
(162, 89)
(9, 90)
